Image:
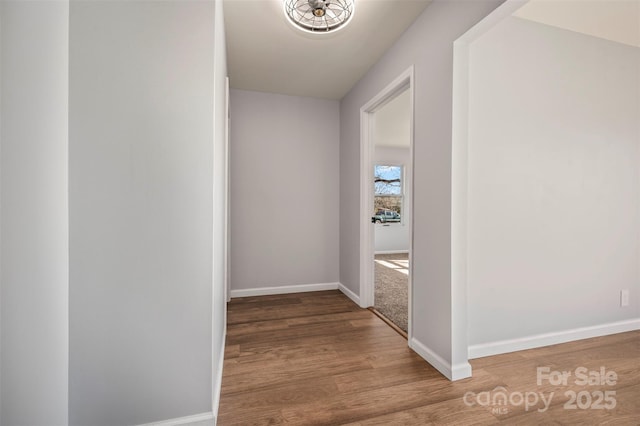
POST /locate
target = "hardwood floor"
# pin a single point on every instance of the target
(317, 358)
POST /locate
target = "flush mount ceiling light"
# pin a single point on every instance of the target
(319, 16)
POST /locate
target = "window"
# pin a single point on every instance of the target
(389, 193)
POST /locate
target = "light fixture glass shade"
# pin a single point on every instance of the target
(319, 16)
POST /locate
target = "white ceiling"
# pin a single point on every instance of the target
(615, 20)
(266, 53)
(393, 122)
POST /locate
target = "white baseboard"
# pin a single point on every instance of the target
(265, 291)
(456, 372)
(546, 339)
(200, 419)
(460, 371)
(392, 252)
(351, 295)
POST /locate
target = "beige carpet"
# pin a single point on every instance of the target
(392, 280)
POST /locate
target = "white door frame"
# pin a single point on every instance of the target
(227, 214)
(460, 367)
(367, 277)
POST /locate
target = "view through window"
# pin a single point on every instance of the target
(388, 181)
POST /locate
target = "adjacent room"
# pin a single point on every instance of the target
(392, 208)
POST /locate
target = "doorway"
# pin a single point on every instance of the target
(386, 208)
(392, 209)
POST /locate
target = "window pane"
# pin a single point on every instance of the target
(387, 203)
(388, 180)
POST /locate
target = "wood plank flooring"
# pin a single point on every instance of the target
(318, 359)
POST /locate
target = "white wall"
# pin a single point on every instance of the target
(394, 237)
(34, 279)
(285, 212)
(428, 44)
(141, 178)
(554, 182)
